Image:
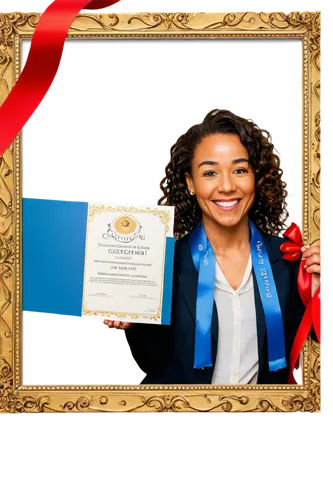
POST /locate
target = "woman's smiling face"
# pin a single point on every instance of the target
(222, 179)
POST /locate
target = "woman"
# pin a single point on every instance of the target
(236, 307)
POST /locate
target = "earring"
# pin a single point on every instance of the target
(191, 193)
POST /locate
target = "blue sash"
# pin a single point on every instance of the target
(205, 262)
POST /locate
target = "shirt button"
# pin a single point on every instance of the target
(236, 372)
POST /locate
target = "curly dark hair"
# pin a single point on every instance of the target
(268, 211)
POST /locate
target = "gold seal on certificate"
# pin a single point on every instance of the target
(129, 263)
(125, 224)
(124, 228)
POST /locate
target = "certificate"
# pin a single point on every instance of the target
(98, 260)
(128, 265)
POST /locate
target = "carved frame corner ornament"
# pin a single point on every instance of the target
(17, 398)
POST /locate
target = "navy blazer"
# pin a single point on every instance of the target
(166, 353)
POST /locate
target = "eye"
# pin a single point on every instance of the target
(209, 173)
(241, 171)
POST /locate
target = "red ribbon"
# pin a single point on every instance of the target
(42, 65)
(292, 251)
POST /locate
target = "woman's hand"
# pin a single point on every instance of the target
(117, 324)
(311, 255)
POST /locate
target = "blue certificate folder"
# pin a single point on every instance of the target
(53, 255)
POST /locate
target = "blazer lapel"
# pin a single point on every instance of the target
(188, 281)
(275, 257)
(260, 317)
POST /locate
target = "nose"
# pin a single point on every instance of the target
(226, 183)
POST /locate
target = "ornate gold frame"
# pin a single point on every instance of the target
(253, 398)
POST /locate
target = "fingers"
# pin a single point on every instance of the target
(120, 325)
(312, 259)
(127, 325)
(317, 269)
(111, 325)
(311, 250)
(311, 256)
(312, 264)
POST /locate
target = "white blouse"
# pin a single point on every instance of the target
(237, 360)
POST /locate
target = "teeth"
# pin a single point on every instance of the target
(227, 204)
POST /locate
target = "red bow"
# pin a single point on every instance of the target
(292, 251)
